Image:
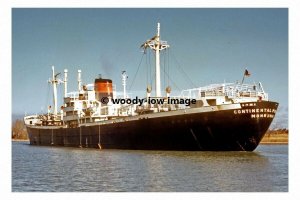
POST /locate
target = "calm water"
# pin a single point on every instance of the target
(72, 169)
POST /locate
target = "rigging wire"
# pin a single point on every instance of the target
(147, 70)
(47, 97)
(60, 94)
(148, 63)
(151, 69)
(164, 68)
(150, 73)
(173, 82)
(168, 63)
(136, 73)
(183, 72)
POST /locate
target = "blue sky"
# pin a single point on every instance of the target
(210, 45)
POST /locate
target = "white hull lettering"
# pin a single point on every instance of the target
(257, 110)
(262, 116)
(248, 104)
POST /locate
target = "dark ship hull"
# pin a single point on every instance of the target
(235, 127)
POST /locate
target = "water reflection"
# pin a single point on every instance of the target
(215, 171)
(74, 169)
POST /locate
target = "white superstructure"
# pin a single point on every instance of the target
(82, 106)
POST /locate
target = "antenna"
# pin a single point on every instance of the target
(79, 80)
(124, 78)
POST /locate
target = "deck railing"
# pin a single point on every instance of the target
(231, 90)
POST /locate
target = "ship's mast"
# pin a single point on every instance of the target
(79, 80)
(157, 63)
(124, 78)
(54, 81)
(157, 45)
(65, 82)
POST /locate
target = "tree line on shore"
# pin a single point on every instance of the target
(19, 130)
(277, 131)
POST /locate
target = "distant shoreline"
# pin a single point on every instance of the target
(274, 143)
(280, 138)
(20, 140)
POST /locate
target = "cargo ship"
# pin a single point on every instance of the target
(216, 117)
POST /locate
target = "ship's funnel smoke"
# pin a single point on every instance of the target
(107, 66)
